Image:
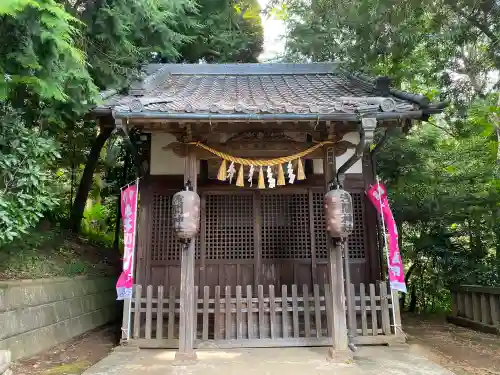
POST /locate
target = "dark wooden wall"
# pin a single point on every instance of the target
(250, 236)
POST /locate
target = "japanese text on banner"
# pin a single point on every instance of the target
(378, 196)
(129, 215)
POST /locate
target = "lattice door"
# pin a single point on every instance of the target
(229, 226)
(164, 243)
(356, 241)
(285, 226)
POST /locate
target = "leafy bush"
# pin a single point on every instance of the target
(26, 176)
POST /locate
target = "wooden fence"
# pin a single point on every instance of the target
(476, 307)
(265, 317)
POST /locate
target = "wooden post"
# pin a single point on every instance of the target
(338, 325)
(186, 351)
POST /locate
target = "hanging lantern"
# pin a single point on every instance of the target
(338, 213)
(186, 213)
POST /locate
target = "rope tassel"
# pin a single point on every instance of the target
(281, 176)
(300, 170)
(222, 175)
(261, 184)
(239, 180)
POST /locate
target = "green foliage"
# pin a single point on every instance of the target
(121, 35)
(27, 157)
(444, 176)
(226, 32)
(53, 253)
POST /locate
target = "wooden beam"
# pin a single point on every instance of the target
(187, 330)
(339, 351)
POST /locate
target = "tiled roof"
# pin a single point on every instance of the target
(254, 89)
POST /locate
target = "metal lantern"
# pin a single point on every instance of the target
(338, 213)
(186, 213)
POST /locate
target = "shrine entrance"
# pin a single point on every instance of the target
(253, 237)
(262, 270)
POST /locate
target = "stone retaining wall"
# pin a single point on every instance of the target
(38, 314)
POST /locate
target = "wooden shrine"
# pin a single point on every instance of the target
(262, 271)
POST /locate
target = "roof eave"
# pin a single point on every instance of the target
(418, 114)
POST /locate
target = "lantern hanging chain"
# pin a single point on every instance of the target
(261, 163)
(394, 301)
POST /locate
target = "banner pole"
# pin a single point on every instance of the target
(386, 246)
(129, 322)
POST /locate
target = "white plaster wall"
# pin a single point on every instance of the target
(352, 137)
(164, 162)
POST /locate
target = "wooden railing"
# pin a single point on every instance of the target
(476, 307)
(264, 316)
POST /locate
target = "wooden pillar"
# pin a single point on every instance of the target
(339, 350)
(187, 327)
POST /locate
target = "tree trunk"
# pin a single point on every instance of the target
(87, 177)
(413, 299)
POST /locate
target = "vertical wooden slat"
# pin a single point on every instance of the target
(206, 297)
(460, 303)
(295, 311)
(494, 309)
(317, 311)
(257, 226)
(195, 315)
(476, 309)
(364, 322)
(159, 313)
(187, 330)
(284, 310)
(137, 310)
(485, 311)
(217, 314)
(203, 239)
(127, 311)
(398, 331)
(328, 307)
(239, 314)
(314, 270)
(468, 305)
(384, 305)
(353, 329)
(249, 312)
(227, 309)
(171, 313)
(260, 291)
(307, 323)
(272, 311)
(373, 310)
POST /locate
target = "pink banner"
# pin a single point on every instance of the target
(129, 217)
(378, 196)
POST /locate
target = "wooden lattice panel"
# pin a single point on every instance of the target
(319, 226)
(285, 226)
(229, 227)
(164, 243)
(356, 240)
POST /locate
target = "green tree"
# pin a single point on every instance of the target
(226, 32)
(444, 175)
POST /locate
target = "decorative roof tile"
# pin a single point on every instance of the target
(254, 89)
